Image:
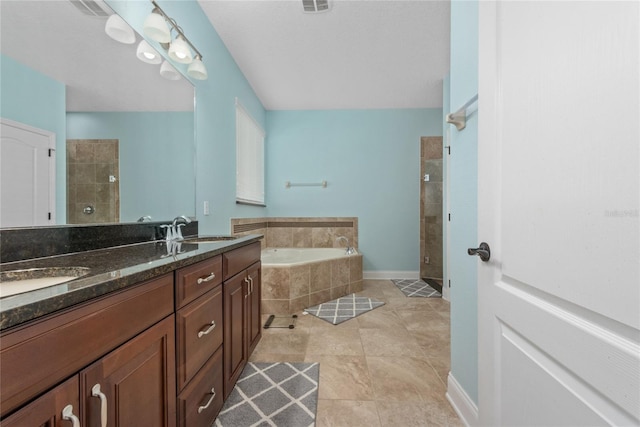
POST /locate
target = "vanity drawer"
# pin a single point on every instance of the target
(199, 333)
(200, 393)
(238, 259)
(197, 279)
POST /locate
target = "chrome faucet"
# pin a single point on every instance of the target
(174, 232)
(350, 250)
(178, 223)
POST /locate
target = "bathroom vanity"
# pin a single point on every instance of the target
(158, 341)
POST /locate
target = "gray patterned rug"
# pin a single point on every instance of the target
(273, 394)
(345, 308)
(416, 288)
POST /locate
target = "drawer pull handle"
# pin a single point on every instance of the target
(246, 280)
(209, 329)
(206, 279)
(206, 405)
(251, 284)
(67, 415)
(95, 392)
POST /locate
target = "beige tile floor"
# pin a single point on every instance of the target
(387, 367)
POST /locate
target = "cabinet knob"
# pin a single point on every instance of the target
(67, 415)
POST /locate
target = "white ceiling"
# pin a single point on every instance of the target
(361, 54)
(100, 74)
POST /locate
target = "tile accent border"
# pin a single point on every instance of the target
(299, 232)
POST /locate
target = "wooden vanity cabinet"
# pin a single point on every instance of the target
(242, 322)
(162, 353)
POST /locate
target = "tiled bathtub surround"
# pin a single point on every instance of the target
(289, 289)
(307, 232)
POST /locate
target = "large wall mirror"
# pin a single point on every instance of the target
(124, 135)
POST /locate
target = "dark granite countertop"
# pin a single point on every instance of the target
(111, 269)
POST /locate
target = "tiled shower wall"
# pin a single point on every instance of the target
(307, 232)
(90, 164)
(431, 259)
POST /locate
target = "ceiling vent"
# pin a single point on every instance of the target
(313, 6)
(92, 7)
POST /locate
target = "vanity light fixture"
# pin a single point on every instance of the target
(168, 72)
(179, 51)
(158, 26)
(146, 53)
(155, 26)
(197, 69)
(119, 30)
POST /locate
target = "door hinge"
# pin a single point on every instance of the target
(51, 150)
(49, 215)
(449, 283)
(448, 147)
(449, 217)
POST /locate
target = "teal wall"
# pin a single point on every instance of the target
(215, 111)
(371, 161)
(34, 99)
(156, 153)
(464, 198)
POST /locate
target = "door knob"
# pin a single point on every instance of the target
(484, 252)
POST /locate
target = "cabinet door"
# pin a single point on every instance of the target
(137, 382)
(235, 342)
(254, 322)
(46, 411)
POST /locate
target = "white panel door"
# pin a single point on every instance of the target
(27, 175)
(559, 184)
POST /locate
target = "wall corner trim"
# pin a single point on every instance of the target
(464, 406)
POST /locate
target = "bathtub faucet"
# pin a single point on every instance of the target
(350, 250)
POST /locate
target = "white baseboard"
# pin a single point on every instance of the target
(380, 275)
(466, 408)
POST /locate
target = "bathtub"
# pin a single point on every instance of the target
(296, 256)
(296, 278)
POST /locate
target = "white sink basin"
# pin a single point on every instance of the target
(19, 281)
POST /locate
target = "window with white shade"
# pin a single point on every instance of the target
(249, 158)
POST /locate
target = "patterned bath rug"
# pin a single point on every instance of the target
(273, 394)
(416, 288)
(345, 308)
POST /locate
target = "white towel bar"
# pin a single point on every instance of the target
(290, 184)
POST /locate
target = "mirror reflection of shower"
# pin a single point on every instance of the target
(93, 190)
